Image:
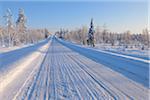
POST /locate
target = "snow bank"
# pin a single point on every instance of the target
(11, 57)
(22, 68)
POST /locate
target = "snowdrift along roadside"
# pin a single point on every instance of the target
(17, 71)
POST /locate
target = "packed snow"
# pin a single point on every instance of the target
(55, 69)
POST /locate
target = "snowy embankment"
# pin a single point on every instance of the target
(19, 64)
(136, 69)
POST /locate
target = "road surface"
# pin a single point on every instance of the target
(62, 71)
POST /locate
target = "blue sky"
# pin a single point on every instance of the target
(118, 16)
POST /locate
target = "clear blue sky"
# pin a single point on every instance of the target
(118, 16)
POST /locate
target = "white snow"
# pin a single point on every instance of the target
(121, 49)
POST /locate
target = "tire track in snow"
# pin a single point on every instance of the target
(53, 75)
(140, 68)
(85, 66)
(86, 88)
(59, 61)
(101, 86)
(81, 79)
(39, 79)
(76, 76)
(64, 74)
(127, 95)
(114, 95)
(27, 92)
(66, 83)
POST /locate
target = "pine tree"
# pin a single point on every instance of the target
(91, 32)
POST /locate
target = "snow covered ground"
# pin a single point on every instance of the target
(134, 51)
(59, 70)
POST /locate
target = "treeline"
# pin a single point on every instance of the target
(103, 36)
(15, 33)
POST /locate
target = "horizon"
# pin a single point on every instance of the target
(118, 16)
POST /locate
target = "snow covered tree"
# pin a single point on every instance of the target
(1, 36)
(105, 34)
(9, 28)
(98, 35)
(17, 34)
(112, 38)
(145, 35)
(127, 37)
(21, 27)
(84, 31)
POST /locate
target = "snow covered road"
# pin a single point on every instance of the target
(68, 72)
(137, 69)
